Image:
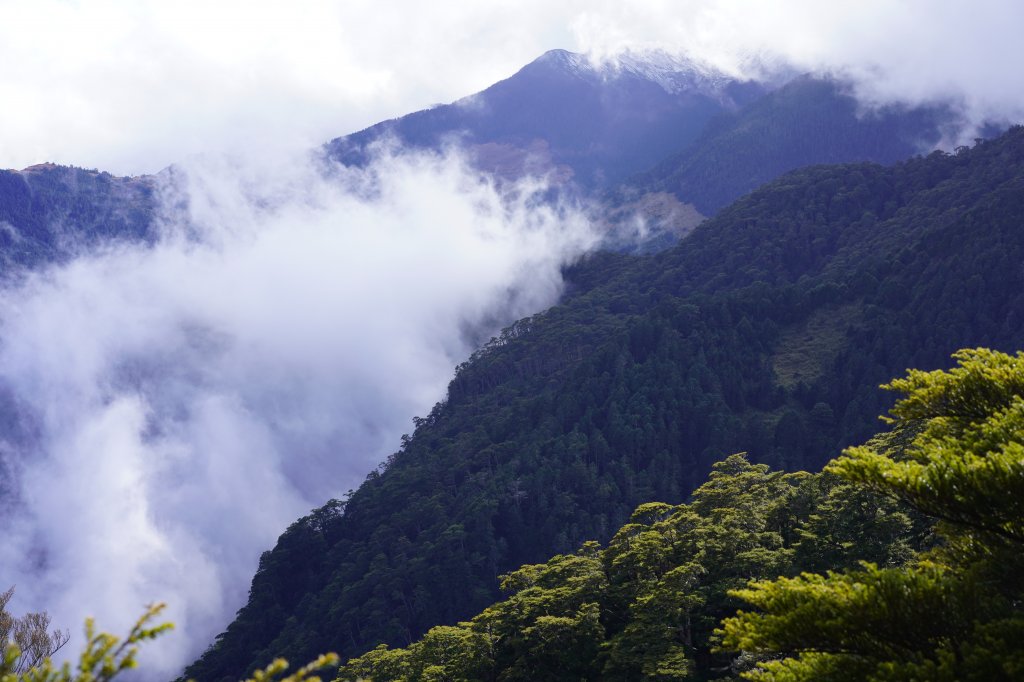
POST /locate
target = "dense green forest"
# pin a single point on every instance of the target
(766, 331)
(902, 598)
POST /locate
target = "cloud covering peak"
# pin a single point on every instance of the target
(910, 52)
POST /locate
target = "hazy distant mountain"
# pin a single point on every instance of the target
(662, 141)
(667, 141)
(592, 124)
(48, 212)
(806, 122)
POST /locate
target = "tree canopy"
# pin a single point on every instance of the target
(646, 606)
(901, 561)
(955, 612)
(105, 656)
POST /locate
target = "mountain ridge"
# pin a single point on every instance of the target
(576, 108)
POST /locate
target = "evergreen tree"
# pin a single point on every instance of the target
(956, 613)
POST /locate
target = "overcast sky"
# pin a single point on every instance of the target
(131, 86)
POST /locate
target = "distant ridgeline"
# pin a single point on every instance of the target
(660, 119)
(593, 125)
(50, 212)
(767, 330)
(654, 136)
(805, 122)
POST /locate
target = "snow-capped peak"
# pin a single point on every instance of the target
(674, 73)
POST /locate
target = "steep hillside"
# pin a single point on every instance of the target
(766, 331)
(646, 606)
(807, 121)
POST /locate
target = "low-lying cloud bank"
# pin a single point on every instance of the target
(170, 409)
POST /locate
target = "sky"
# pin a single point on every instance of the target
(131, 86)
(180, 404)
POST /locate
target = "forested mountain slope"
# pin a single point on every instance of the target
(807, 121)
(49, 212)
(931, 506)
(766, 331)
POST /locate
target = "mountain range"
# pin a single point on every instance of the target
(775, 294)
(649, 135)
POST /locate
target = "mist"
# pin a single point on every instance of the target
(908, 53)
(172, 408)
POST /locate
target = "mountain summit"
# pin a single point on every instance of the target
(675, 74)
(563, 115)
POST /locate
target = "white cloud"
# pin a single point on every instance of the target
(131, 86)
(910, 51)
(186, 402)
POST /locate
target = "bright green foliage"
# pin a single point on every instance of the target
(273, 672)
(850, 520)
(967, 467)
(670, 576)
(883, 615)
(646, 606)
(899, 601)
(30, 634)
(957, 613)
(103, 657)
(548, 629)
(106, 656)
